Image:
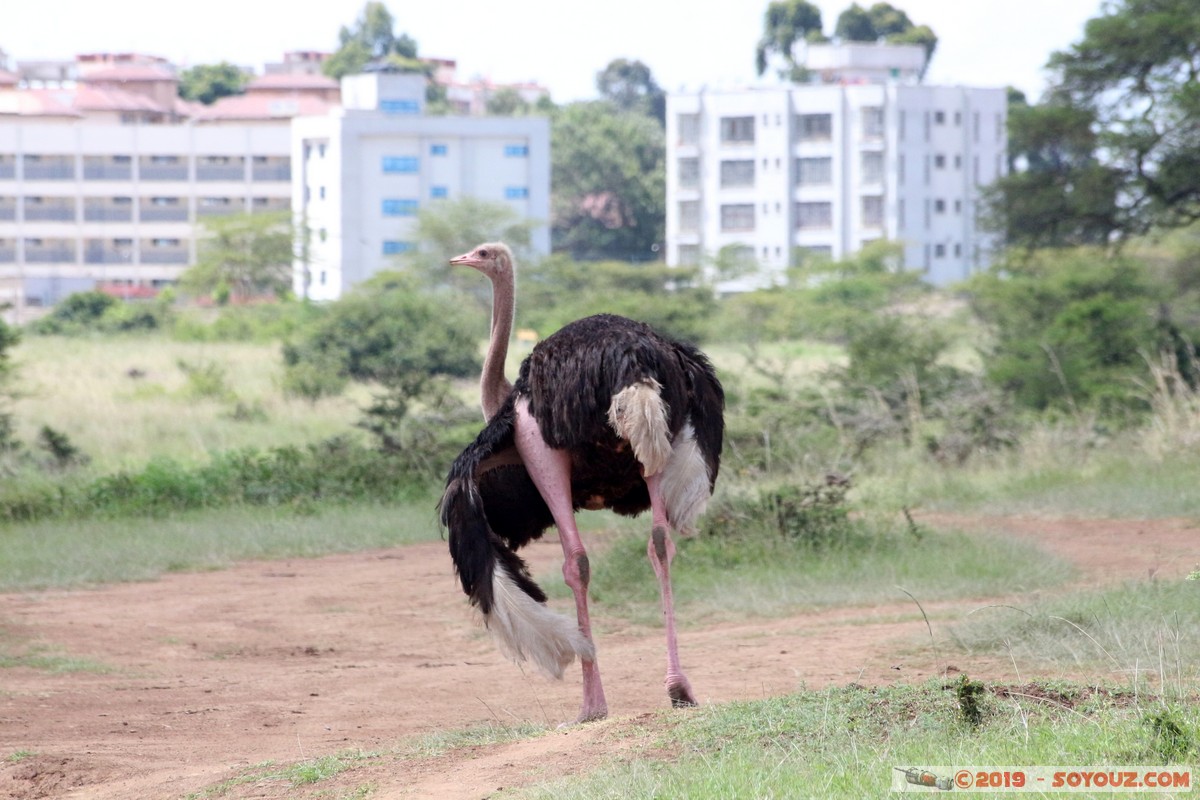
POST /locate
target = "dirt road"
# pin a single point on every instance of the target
(198, 676)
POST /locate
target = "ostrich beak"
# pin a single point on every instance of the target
(465, 258)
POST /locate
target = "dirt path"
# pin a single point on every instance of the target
(211, 673)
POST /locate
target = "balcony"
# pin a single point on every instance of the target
(151, 171)
(107, 214)
(163, 214)
(164, 255)
(272, 172)
(49, 169)
(107, 256)
(8, 211)
(214, 209)
(220, 172)
(53, 213)
(8, 254)
(8, 169)
(49, 254)
(107, 172)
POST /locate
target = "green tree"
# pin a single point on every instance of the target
(507, 102)
(630, 86)
(885, 22)
(449, 227)
(372, 38)
(608, 182)
(786, 24)
(242, 256)
(9, 338)
(1137, 70)
(1071, 329)
(207, 83)
(1057, 193)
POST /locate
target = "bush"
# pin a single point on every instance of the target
(93, 311)
(813, 515)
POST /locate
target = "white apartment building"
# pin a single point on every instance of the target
(824, 168)
(85, 203)
(364, 170)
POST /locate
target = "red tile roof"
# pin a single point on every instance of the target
(262, 107)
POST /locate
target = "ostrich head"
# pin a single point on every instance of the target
(493, 259)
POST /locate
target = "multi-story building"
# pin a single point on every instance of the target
(868, 153)
(364, 170)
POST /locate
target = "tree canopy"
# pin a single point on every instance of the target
(243, 256)
(787, 23)
(1114, 147)
(207, 83)
(630, 86)
(608, 182)
(373, 37)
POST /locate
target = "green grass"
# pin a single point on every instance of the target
(70, 553)
(1048, 475)
(736, 576)
(846, 742)
(1148, 630)
(20, 652)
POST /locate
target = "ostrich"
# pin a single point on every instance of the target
(606, 413)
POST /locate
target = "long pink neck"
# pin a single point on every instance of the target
(493, 386)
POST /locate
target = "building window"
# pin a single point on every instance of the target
(957, 161)
(975, 126)
(814, 127)
(689, 173)
(399, 106)
(872, 122)
(400, 165)
(689, 255)
(939, 251)
(689, 215)
(516, 193)
(872, 167)
(900, 169)
(872, 212)
(939, 117)
(516, 151)
(689, 128)
(437, 149)
(813, 216)
(737, 217)
(320, 151)
(939, 161)
(957, 250)
(814, 171)
(900, 125)
(958, 206)
(399, 208)
(321, 192)
(438, 192)
(737, 130)
(900, 214)
(737, 173)
(958, 119)
(391, 247)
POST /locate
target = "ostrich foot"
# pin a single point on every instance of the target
(680, 692)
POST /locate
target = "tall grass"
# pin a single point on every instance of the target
(126, 400)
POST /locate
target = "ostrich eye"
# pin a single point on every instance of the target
(483, 253)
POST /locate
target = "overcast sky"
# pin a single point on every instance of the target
(558, 43)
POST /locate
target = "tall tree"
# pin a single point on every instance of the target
(630, 86)
(372, 38)
(786, 24)
(1137, 69)
(1057, 192)
(243, 256)
(608, 182)
(207, 83)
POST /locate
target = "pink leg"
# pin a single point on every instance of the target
(661, 551)
(550, 470)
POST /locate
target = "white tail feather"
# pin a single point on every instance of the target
(686, 482)
(638, 415)
(525, 629)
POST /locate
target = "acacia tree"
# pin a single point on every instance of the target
(1137, 71)
(243, 256)
(883, 21)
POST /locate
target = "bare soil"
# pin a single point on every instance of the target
(207, 676)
